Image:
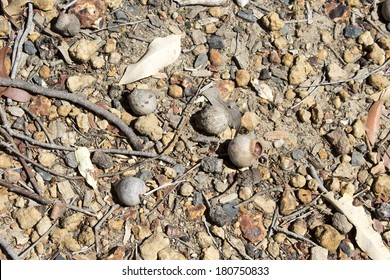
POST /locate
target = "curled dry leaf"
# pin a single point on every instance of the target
(373, 121)
(85, 166)
(13, 93)
(263, 90)
(161, 53)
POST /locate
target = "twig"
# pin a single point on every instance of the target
(126, 130)
(99, 224)
(297, 213)
(122, 24)
(7, 248)
(297, 236)
(336, 54)
(273, 223)
(376, 27)
(32, 246)
(261, 7)
(64, 8)
(209, 233)
(39, 122)
(19, 46)
(256, 195)
(304, 99)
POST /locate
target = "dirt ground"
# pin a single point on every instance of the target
(301, 86)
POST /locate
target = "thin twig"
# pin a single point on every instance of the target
(10, 251)
(99, 224)
(297, 236)
(64, 95)
(257, 194)
(39, 122)
(336, 54)
(119, 25)
(273, 223)
(299, 212)
(376, 27)
(32, 246)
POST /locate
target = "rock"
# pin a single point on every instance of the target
(383, 211)
(70, 160)
(246, 15)
(195, 212)
(82, 122)
(386, 10)
(366, 39)
(297, 74)
(186, 189)
(352, 55)
(298, 154)
(102, 160)
(175, 91)
(340, 141)
(273, 249)
(86, 237)
(201, 60)
(352, 31)
(345, 170)
(358, 129)
(216, 42)
(376, 54)
(29, 48)
(203, 239)
(245, 193)
(129, 190)
(141, 232)
(151, 246)
(335, 72)
(27, 217)
(272, 21)
(378, 81)
(97, 62)
(303, 115)
(212, 120)
(215, 58)
(242, 77)
(357, 159)
(83, 50)
(298, 181)
(148, 125)
(72, 222)
(382, 186)
(114, 58)
(250, 121)
(219, 216)
(67, 25)
(281, 43)
(3, 26)
(210, 253)
(341, 223)
(212, 165)
(319, 253)
(288, 60)
(170, 254)
(266, 204)
(71, 244)
(288, 203)
(43, 225)
(305, 196)
(299, 227)
(79, 82)
(47, 159)
(142, 102)
(328, 237)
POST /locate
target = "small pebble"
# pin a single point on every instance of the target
(46, 176)
(383, 211)
(212, 165)
(272, 21)
(265, 74)
(215, 57)
(186, 189)
(175, 91)
(352, 31)
(242, 77)
(29, 48)
(298, 154)
(70, 159)
(246, 15)
(386, 10)
(357, 159)
(120, 15)
(341, 223)
(201, 60)
(142, 102)
(347, 248)
(129, 190)
(102, 160)
(67, 25)
(216, 42)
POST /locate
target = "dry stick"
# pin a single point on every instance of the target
(64, 95)
(273, 223)
(120, 24)
(7, 248)
(18, 154)
(99, 224)
(32, 246)
(39, 122)
(297, 236)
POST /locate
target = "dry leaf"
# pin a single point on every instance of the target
(367, 238)
(85, 166)
(161, 53)
(263, 90)
(373, 121)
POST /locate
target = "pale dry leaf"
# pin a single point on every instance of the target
(85, 166)
(263, 90)
(373, 121)
(161, 52)
(367, 238)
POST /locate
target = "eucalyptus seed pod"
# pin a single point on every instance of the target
(244, 150)
(212, 120)
(142, 102)
(129, 190)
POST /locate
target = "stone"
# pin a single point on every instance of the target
(71, 244)
(298, 181)
(212, 165)
(67, 25)
(148, 125)
(382, 186)
(378, 81)
(298, 154)
(114, 58)
(358, 129)
(299, 227)
(288, 60)
(82, 122)
(304, 195)
(245, 193)
(201, 60)
(303, 115)
(366, 39)
(216, 42)
(376, 54)
(141, 232)
(3, 26)
(203, 239)
(83, 50)
(272, 21)
(357, 159)
(281, 43)
(97, 62)
(345, 170)
(169, 254)
(72, 222)
(86, 237)
(385, 10)
(5, 161)
(215, 58)
(341, 223)
(186, 189)
(70, 160)
(352, 31)
(319, 253)
(27, 217)
(242, 78)
(47, 159)
(335, 72)
(250, 121)
(129, 190)
(142, 101)
(198, 37)
(102, 160)
(288, 203)
(79, 82)
(219, 216)
(328, 237)
(195, 212)
(352, 54)
(383, 211)
(43, 225)
(175, 91)
(29, 48)
(297, 74)
(152, 245)
(210, 253)
(265, 203)
(246, 15)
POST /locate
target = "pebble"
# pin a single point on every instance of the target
(47, 159)
(304, 115)
(170, 254)
(215, 57)
(246, 15)
(366, 39)
(341, 223)
(210, 253)
(305, 196)
(3, 26)
(335, 72)
(346, 170)
(203, 239)
(102, 160)
(19, 124)
(288, 203)
(216, 42)
(186, 189)
(175, 91)
(29, 48)
(46, 176)
(328, 237)
(120, 15)
(383, 211)
(319, 253)
(272, 21)
(352, 55)
(115, 58)
(83, 122)
(43, 225)
(129, 190)
(70, 159)
(201, 60)
(281, 43)
(352, 31)
(357, 159)
(79, 82)
(72, 222)
(141, 232)
(358, 129)
(242, 77)
(15, 111)
(219, 217)
(86, 237)
(67, 25)
(245, 193)
(386, 10)
(142, 101)
(212, 165)
(97, 62)
(212, 120)
(148, 126)
(44, 72)
(195, 212)
(267, 204)
(83, 50)
(250, 121)
(299, 227)
(265, 74)
(28, 217)
(298, 154)
(298, 181)
(378, 81)
(348, 248)
(297, 74)
(382, 186)
(376, 54)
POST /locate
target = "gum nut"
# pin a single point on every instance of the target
(67, 25)
(244, 150)
(129, 190)
(142, 102)
(213, 120)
